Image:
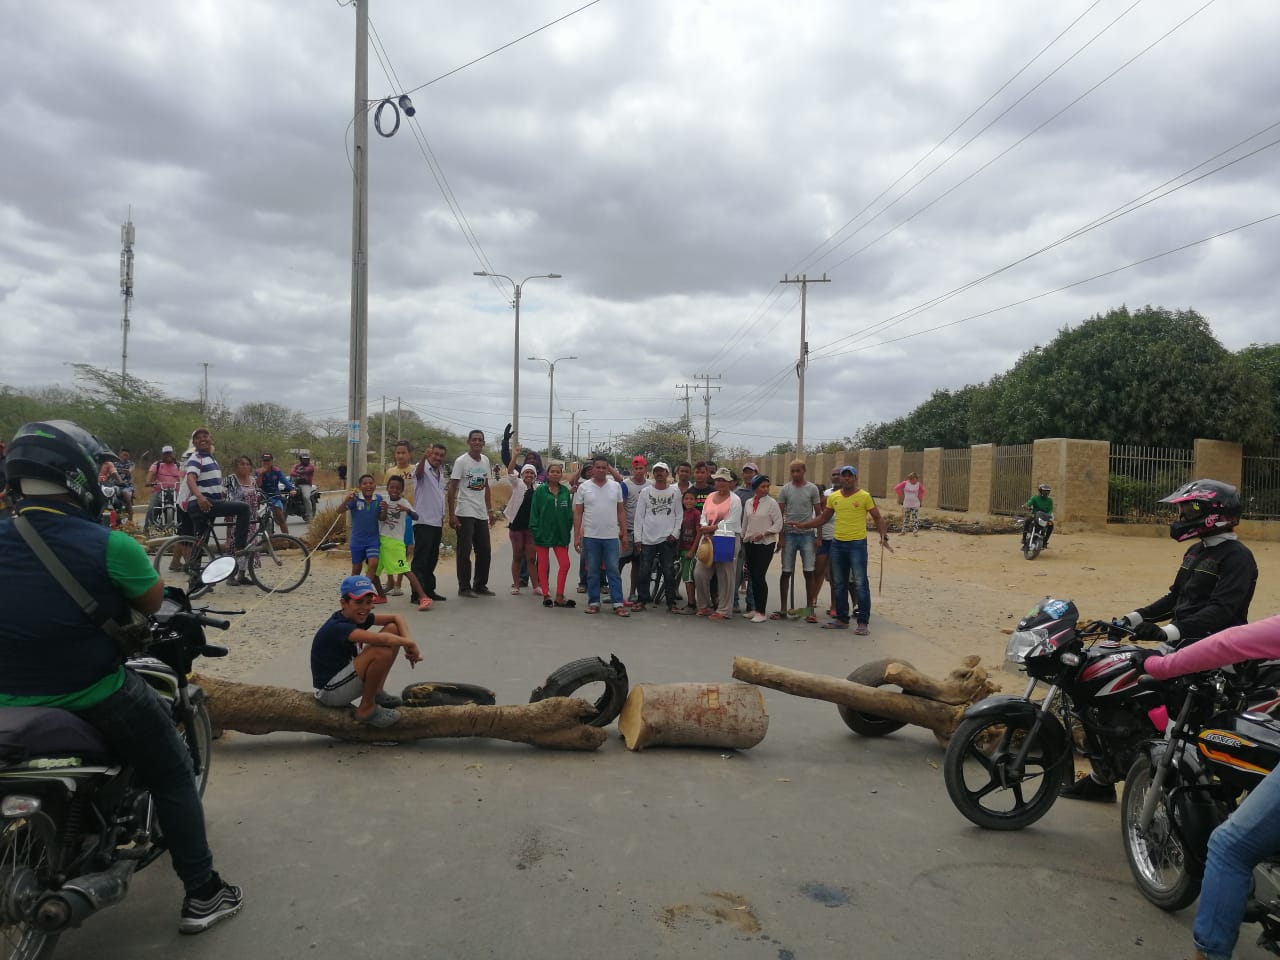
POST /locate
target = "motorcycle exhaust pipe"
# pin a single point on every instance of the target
(81, 897)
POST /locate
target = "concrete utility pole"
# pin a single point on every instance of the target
(358, 371)
(551, 393)
(126, 291)
(204, 392)
(573, 439)
(803, 363)
(688, 423)
(706, 389)
(382, 440)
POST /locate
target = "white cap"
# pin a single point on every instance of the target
(531, 467)
(661, 465)
(166, 449)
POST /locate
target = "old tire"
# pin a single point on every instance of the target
(869, 724)
(446, 693)
(576, 674)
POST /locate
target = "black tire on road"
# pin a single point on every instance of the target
(977, 757)
(1157, 857)
(283, 567)
(868, 724)
(576, 674)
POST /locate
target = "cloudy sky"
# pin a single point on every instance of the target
(673, 159)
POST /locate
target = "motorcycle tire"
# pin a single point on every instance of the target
(987, 743)
(576, 674)
(1157, 858)
(29, 843)
(868, 724)
(201, 736)
(1031, 551)
(445, 693)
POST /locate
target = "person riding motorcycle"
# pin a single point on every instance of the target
(1040, 503)
(1252, 833)
(1211, 592)
(53, 654)
(274, 485)
(303, 475)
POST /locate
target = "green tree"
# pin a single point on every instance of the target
(657, 440)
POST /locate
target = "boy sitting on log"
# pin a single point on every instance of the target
(349, 659)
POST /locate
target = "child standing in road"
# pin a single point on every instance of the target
(367, 509)
(393, 556)
(911, 495)
(688, 542)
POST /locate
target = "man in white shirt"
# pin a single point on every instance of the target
(657, 535)
(428, 529)
(631, 488)
(470, 512)
(600, 532)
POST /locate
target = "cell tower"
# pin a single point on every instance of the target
(126, 291)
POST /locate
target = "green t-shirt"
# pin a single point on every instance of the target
(1043, 504)
(551, 516)
(130, 570)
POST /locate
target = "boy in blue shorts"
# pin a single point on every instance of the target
(367, 510)
(393, 560)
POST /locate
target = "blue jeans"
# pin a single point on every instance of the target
(598, 551)
(1250, 835)
(846, 556)
(135, 723)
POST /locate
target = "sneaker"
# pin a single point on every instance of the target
(1087, 788)
(483, 592)
(437, 597)
(396, 592)
(467, 592)
(200, 913)
(861, 630)
(758, 617)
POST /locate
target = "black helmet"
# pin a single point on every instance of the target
(1044, 489)
(61, 454)
(1205, 507)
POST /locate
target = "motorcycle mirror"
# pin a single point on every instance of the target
(218, 571)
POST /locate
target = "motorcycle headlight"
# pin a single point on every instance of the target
(1021, 642)
(15, 805)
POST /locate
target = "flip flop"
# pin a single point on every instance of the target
(621, 612)
(566, 603)
(382, 717)
(592, 608)
(811, 619)
(546, 602)
(835, 625)
(778, 615)
(515, 591)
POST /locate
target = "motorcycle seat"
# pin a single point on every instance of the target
(28, 733)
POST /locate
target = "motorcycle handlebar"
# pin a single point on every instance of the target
(204, 620)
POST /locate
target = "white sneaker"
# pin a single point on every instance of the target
(758, 617)
(397, 592)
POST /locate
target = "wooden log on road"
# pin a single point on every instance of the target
(966, 684)
(249, 708)
(725, 715)
(941, 718)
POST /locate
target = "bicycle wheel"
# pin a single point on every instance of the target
(179, 562)
(278, 563)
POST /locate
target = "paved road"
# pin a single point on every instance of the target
(816, 844)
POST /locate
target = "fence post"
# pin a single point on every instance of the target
(982, 461)
(893, 470)
(931, 475)
(1077, 470)
(1218, 460)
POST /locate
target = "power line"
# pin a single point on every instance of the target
(1066, 286)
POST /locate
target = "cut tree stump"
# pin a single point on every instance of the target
(963, 687)
(725, 715)
(248, 708)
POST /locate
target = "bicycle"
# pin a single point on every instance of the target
(162, 521)
(276, 562)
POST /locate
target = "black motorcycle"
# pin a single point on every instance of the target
(1035, 533)
(1010, 755)
(295, 507)
(74, 826)
(1186, 784)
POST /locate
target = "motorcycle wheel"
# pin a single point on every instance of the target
(974, 769)
(28, 849)
(280, 563)
(179, 563)
(1031, 550)
(1157, 857)
(201, 736)
(868, 724)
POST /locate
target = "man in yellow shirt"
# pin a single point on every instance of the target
(850, 507)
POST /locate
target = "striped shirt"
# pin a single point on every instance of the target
(208, 476)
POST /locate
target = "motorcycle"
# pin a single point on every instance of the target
(1035, 533)
(1186, 784)
(1010, 755)
(74, 826)
(295, 507)
(113, 511)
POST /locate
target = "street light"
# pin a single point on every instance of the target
(515, 361)
(551, 391)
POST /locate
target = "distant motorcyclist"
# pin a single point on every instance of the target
(303, 475)
(1211, 592)
(163, 474)
(1040, 503)
(274, 485)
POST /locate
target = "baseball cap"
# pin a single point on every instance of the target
(166, 449)
(638, 461)
(847, 468)
(757, 480)
(529, 468)
(751, 466)
(267, 456)
(662, 465)
(304, 454)
(357, 586)
(722, 474)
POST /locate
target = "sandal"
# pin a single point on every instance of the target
(592, 608)
(582, 588)
(777, 615)
(681, 611)
(381, 717)
(835, 625)
(811, 618)
(562, 602)
(546, 602)
(717, 616)
(621, 612)
(515, 591)
(703, 611)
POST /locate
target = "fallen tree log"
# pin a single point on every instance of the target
(966, 684)
(249, 708)
(725, 715)
(941, 718)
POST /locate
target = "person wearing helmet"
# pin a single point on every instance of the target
(303, 475)
(1040, 503)
(1211, 591)
(53, 654)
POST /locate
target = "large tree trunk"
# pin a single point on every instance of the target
(966, 684)
(725, 715)
(556, 722)
(941, 718)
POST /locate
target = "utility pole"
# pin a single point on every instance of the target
(204, 392)
(399, 429)
(688, 423)
(126, 291)
(358, 370)
(382, 440)
(706, 389)
(803, 363)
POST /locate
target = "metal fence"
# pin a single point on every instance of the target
(1139, 477)
(1260, 485)
(1011, 478)
(953, 493)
